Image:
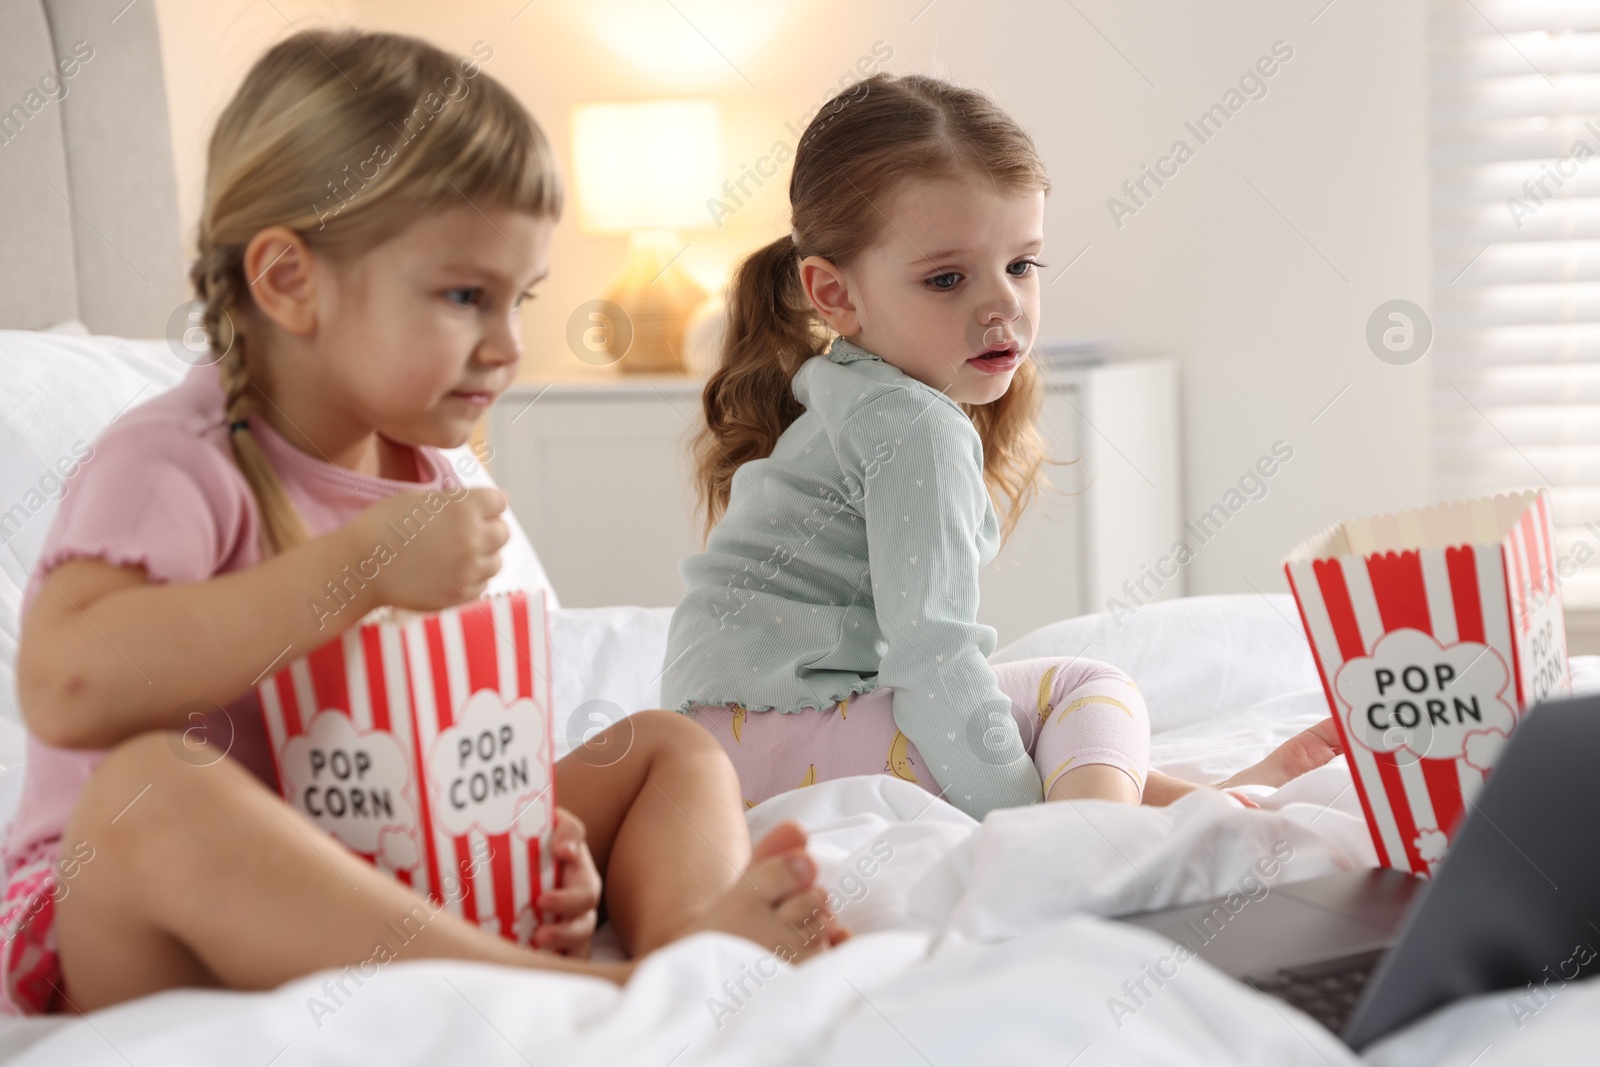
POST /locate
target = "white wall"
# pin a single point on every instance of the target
(1268, 332)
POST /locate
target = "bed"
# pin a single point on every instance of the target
(975, 943)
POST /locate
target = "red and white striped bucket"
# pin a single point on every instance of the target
(1434, 630)
(459, 701)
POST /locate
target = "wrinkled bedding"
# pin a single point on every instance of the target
(975, 943)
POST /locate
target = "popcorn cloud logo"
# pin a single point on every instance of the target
(488, 769)
(1433, 701)
(354, 786)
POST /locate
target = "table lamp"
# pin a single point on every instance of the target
(646, 169)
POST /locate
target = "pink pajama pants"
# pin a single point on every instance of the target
(1069, 713)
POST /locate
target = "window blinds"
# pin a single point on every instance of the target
(1515, 154)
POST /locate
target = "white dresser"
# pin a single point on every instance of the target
(598, 474)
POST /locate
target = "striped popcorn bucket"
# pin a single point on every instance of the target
(1434, 630)
(425, 746)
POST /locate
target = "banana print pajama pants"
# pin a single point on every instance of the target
(1070, 712)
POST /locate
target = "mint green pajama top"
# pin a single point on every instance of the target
(849, 559)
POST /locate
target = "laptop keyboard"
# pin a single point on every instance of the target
(1328, 992)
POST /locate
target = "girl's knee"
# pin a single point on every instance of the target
(673, 741)
(668, 730)
(143, 757)
(120, 781)
(151, 819)
(1079, 673)
(1097, 670)
(1060, 673)
(645, 735)
(1100, 684)
(153, 769)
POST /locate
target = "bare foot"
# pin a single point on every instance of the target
(776, 902)
(1305, 751)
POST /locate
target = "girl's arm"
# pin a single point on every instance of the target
(106, 654)
(921, 465)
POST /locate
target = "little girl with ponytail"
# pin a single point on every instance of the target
(869, 442)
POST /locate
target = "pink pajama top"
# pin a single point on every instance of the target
(161, 490)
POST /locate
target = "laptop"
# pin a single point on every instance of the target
(1515, 901)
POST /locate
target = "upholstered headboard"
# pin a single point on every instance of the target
(88, 198)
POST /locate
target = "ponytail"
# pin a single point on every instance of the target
(772, 330)
(218, 279)
(854, 155)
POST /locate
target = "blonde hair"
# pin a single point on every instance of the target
(346, 137)
(854, 153)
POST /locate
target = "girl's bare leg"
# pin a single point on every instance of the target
(666, 825)
(200, 876)
(1162, 789)
(1305, 751)
(1095, 781)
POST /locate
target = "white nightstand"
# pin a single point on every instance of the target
(598, 474)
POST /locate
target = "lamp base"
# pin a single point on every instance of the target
(658, 296)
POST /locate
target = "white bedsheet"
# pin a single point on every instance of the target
(975, 944)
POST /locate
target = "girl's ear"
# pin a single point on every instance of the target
(282, 276)
(829, 292)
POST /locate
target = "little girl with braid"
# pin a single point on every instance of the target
(351, 339)
(874, 403)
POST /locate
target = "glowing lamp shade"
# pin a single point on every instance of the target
(646, 169)
(646, 165)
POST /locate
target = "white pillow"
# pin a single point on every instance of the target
(61, 390)
(605, 663)
(1195, 657)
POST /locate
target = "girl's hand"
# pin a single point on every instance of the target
(437, 556)
(570, 914)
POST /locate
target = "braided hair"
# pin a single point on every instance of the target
(345, 137)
